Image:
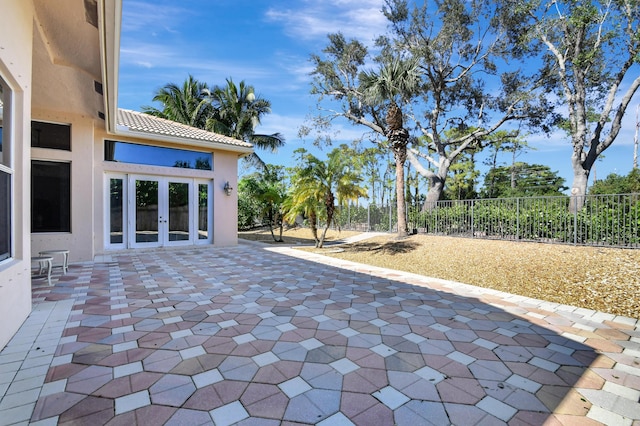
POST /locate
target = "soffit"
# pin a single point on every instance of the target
(66, 57)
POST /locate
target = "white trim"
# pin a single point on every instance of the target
(109, 24)
(129, 211)
(107, 211)
(209, 183)
(166, 237)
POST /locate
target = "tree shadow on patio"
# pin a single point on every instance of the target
(391, 247)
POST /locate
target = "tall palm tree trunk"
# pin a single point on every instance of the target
(313, 222)
(400, 156)
(398, 137)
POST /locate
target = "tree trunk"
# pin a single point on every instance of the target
(401, 158)
(436, 186)
(329, 203)
(635, 139)
(579, 186)
(513, 170)
(272, 234)
(274, 219)
(313, 220)
(323, 235)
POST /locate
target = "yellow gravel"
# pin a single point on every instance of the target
(602, 279)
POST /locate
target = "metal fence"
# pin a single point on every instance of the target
(604, 220)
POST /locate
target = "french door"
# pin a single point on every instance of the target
(153, 211)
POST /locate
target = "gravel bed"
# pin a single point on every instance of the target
(603, 279)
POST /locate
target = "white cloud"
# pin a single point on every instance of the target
(314, 20)
(184, 61)
(286, 125)
(139, 16)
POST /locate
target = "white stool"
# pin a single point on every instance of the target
(44, 265)
(65, 258)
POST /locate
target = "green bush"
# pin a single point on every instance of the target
(604, 220)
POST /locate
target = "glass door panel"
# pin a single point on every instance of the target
(155, 211)
(116, 211)
(203, 211)
(146, 211)
(179, 215)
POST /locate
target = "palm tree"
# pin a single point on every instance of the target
(239, 113)
(396, 80)
(187, 104)
(317, 186)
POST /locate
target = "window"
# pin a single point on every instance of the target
(50, 135)
(6, 173)
(203, 211)
(50, 196)
(116, 210)
(124, 152)
(5, 215)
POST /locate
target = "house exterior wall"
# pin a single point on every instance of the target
(79, 241)
(88, 169)
(15, 68)
(225, 169)
(225, 212)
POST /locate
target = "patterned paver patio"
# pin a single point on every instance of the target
(260, 335)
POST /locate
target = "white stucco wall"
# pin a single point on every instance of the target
(79, 241)
(225, 213)
(15, 67)
(225, 168)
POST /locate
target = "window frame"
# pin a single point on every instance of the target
(51, 124)
(7, 221)
(124, 214)
(148, 155)
(67, 226)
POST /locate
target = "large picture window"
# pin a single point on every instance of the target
(50, 196)
(6, 173)
(125, 152)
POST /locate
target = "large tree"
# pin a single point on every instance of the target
(470, 90)
(370, 162)
(392, 86)
(616, 184)
(590, 55)
(261, 196)
(373, 98)
(522, 180)
(232, 110)
(507, 142)
(239, 112)
(187, 104)
(318, 187)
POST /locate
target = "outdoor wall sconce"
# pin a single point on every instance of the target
(227, 188)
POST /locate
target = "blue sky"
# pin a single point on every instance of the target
(268, 44)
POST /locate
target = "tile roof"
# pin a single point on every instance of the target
(135, 121)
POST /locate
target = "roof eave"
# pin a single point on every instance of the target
(110, 19)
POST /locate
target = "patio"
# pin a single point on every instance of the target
(270, 335)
